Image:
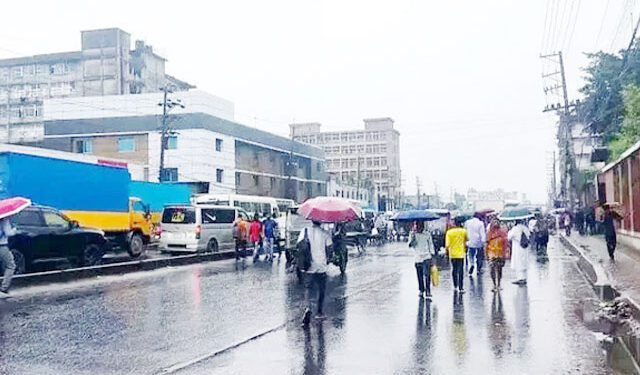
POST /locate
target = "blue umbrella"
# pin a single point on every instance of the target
(415, 215)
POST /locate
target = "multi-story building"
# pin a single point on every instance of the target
(371, 154)
(105, 65)
(353, 192)
(208, 152)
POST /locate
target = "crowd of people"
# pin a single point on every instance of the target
(260, 236)
(472, 242)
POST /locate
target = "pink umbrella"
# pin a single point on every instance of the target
(12, 206)
(329, 210)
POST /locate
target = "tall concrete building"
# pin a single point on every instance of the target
(360, 157)
(105, 65)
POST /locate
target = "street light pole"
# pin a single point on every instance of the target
(167, 104)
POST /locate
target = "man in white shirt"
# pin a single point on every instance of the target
(476, 238)
(316, 275)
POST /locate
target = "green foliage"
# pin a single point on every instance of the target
(606, 76)
(629, 132)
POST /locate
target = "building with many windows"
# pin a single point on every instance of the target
(209, 153)
(370, 155)
(105, 65)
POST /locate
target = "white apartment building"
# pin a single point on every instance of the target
(371, 155)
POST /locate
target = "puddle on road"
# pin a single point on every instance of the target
(615, 330)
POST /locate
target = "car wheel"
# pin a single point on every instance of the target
(136, 245)
(20, 262)
(92, 255)
(212, 246)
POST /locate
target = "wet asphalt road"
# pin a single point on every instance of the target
(232, 317)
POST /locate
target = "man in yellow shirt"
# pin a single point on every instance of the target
(456, 245)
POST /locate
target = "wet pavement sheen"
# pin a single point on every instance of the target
(244, 318)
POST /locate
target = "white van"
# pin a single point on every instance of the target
(189, 228)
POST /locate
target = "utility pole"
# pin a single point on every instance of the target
(358, 184)
(167, 104)
(418, 191)
(568, 189)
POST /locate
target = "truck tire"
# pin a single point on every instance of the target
(212, 246)
(136, 245)
(18, 259)
(92, 255)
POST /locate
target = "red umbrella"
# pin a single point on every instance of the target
(329, 210)
(12, 206)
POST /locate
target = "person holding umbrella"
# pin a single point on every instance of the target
(319, 210)
(496, 249)
(520, 238)
(420, 240)
(8, 208)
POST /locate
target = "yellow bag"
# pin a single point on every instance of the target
(435, 275)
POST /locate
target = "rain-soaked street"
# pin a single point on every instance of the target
(226, 318)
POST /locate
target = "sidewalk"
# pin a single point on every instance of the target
(623, 273)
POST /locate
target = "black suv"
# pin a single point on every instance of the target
(45, 234)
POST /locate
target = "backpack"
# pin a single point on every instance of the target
(524, 241)
(303, 256)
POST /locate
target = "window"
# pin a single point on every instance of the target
(27, 218)
(217, 216)
(319, 167)
(237, 179)
(170, 175)
(181, 215)
(53, 219)
(256, 180)
(172, 142)
(218, 144)
(16, 72)
(127, 144)
(84, 146)
(219, 175)
(272, 182)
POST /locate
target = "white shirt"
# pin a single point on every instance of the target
(319, 239)
(532, 225)
(476, 233)
(423, 246)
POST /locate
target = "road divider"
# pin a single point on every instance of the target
(71, 274)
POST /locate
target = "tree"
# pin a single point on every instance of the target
(629, 132)
(607, 74)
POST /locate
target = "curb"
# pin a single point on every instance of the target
(594, 273)
(71, 274)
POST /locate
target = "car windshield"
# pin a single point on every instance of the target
(179, 215)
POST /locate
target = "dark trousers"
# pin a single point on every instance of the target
(457, 271)
(423, 271)
(611, 244)
(315, 281)
(241, 248)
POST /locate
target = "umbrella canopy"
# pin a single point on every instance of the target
(486, 211)
(516, 213)
(12, 206)
(415, 215)
(329, 210)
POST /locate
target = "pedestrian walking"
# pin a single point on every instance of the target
(240, 236)
(255, 235)
(590, 219)
(496, 251)
(420, 240)
(455, 244)
(6, 257)
(542, 236)
(315, 276)
(609, 226)
(270, 234)
(520, 238)
(476, 238)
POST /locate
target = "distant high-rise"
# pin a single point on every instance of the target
(105, 65)
(369, 157)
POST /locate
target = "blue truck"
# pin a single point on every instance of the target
(94, 192)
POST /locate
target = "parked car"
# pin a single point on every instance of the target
(45, 234)
(198, 228)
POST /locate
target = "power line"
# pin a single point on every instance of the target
(604, 17)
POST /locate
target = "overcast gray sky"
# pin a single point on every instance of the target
(462, 79)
